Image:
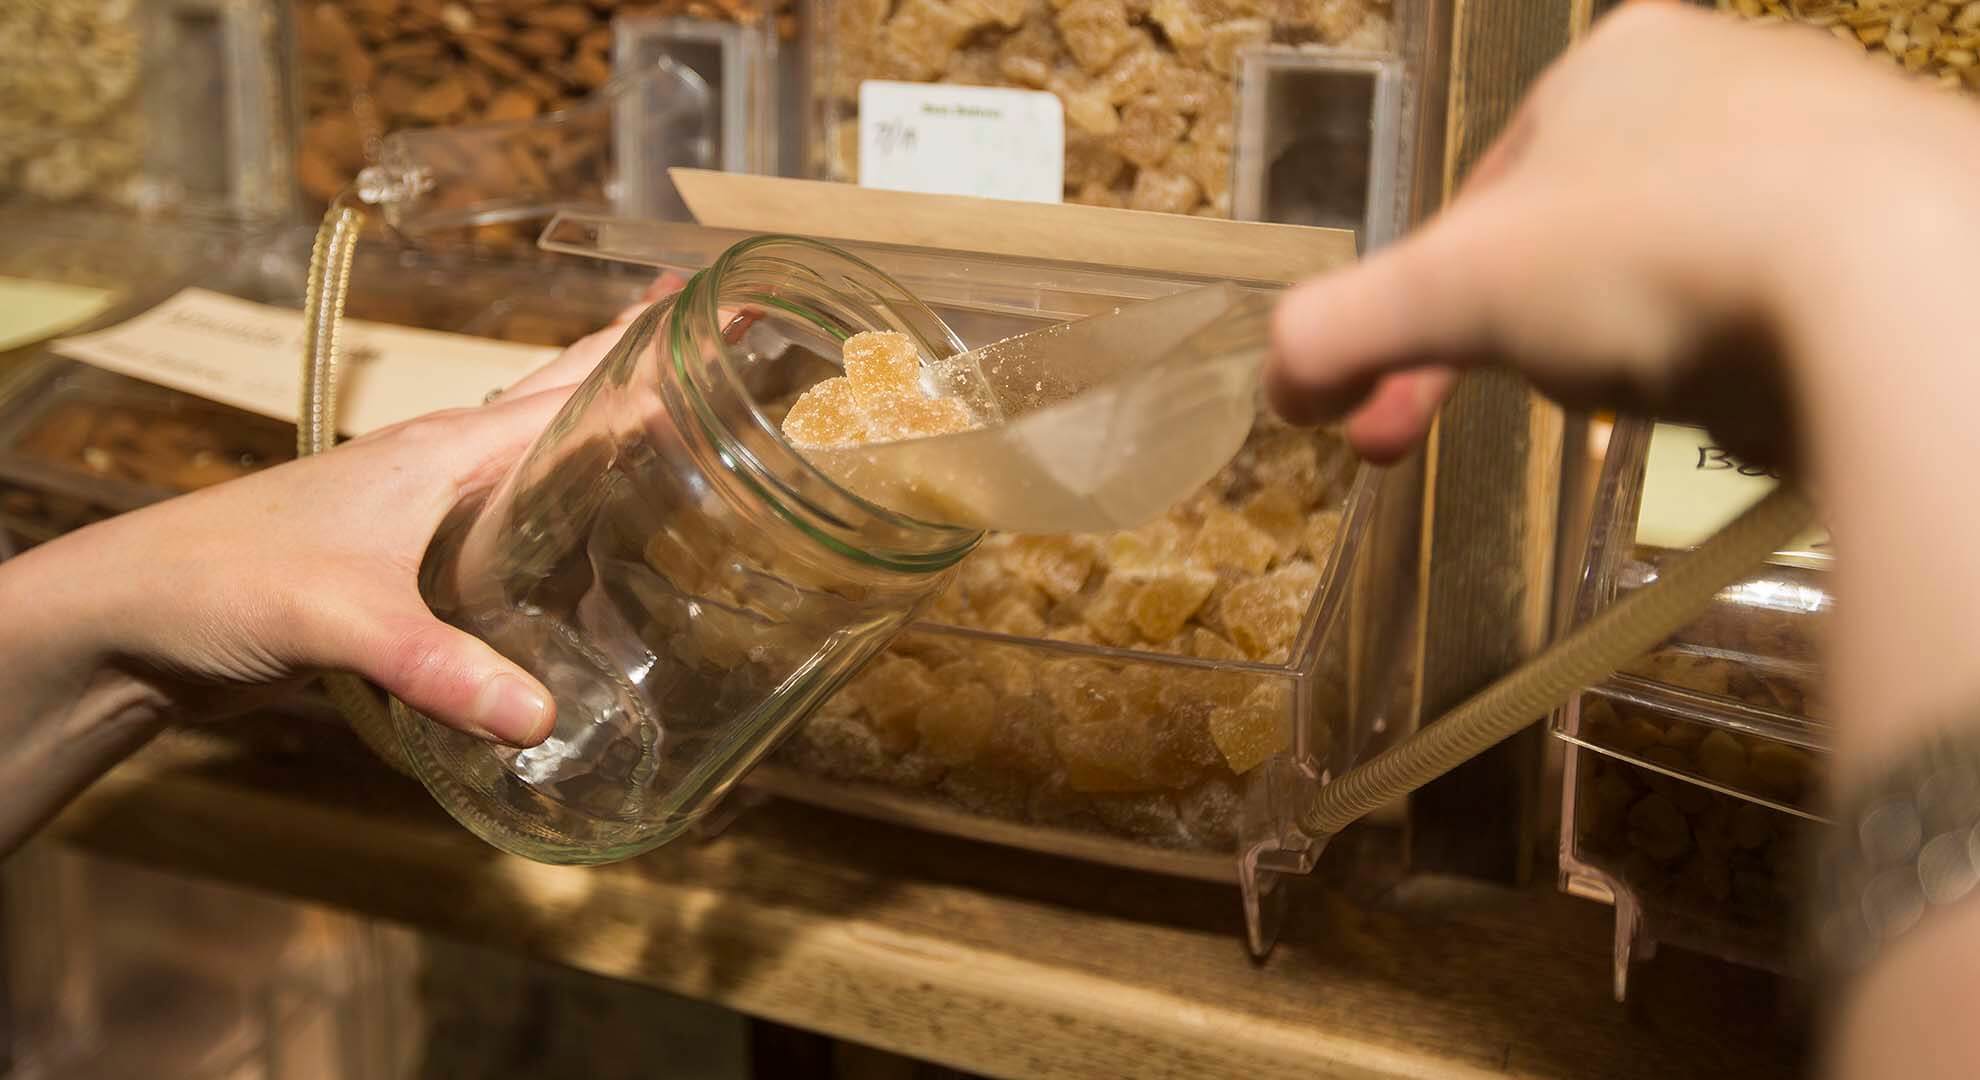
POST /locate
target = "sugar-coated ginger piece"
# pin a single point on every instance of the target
(1006, 14)
(1181, 21)
(1148, 133)
(1263, 615)
(1250, 733)
(1059, 565)
(1091, 160)
(923, 33)
(1167, 192)
(1209, 166)
(956, 725)
(1095, 32)
(1140, 67)
(1088, 110)
(1150, 549)
(1164, 602)
(911, 416)
(1323, 529)
(882, 361)
(1109, 612)
(891, 692)
(1015, 617)
(1029, 56)
(1280, 514)
(1092, 194)
(828, 415)
(1228, 540)
(1228, 40)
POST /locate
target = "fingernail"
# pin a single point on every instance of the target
(512, 711)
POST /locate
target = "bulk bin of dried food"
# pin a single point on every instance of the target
(1693, 774)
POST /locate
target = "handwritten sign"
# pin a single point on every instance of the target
(1693, 487)
(962, 140)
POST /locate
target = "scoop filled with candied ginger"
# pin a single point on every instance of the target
(1090, 426)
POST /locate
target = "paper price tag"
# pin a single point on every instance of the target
(1693, 487)
(962, 140)
(249, 355)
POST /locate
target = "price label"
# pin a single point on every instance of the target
(962, 140)
(1693, 487)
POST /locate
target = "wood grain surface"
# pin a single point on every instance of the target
(997, 962)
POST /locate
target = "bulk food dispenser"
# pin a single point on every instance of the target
(695, 592)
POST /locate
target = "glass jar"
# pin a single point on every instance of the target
(683, 582)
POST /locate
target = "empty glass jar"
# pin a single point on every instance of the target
(686, 585)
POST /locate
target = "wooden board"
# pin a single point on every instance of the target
(992, 961)
(1174, 243)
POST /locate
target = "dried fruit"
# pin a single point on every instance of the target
(1249, 733)
(1228, 539)
(879, 399)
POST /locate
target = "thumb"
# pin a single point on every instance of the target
(449, 675)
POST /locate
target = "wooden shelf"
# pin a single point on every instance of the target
(988, 960)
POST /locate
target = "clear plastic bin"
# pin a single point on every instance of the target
(1696, 770)
(1150, 92)
(368, 70)
(1053, 699)
(163, 105)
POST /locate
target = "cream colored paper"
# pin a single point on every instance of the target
(33, 310)
(1692, 488)
(249, 355)
(1173, 243)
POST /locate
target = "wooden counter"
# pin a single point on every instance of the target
(987, 960)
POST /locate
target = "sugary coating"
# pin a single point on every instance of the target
(1029, 56)
(1091, 160)
(922, 34)
(1090, 111)
(1152, 549)
(891, 692)
(911, 416)
(1209, 166)
(1249, 733)
(829, 414)
(1167, 192)
(1016, 618)
(1008, 14)
(1139, 68)
(1057, 565)
(1109, 613)
(1228, 539)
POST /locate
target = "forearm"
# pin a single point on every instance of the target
(67, 711)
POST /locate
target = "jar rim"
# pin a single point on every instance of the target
(928, 546)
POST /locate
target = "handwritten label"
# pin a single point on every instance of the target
(962, 140)
(1693, 487)
(32, 310)
(249, 355)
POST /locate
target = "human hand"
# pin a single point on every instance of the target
(211, 600)
(1663, 220)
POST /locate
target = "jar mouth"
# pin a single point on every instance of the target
(815, 293)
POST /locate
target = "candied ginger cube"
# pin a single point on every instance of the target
(1249, 733)
(1323, 528)
(1163, 603)
(1208, 646)
(1147, 133)
(956, 726)
(1028, 56)
(1091, 161)
(1008, 14)
(1153, 547)
(1180, 20)
(1058, 565)
(1228, 39)
(1228, 539)
(882, 361)
(1083, 691)
(1209, 166)
(1088, 110)
(1280, 514)
(1010, 672)
(1108, 613)
(923, 33)
(891, 692)
(1263, 615)
(1095, 32)
(1170, 193)
(1015, 617)
(1290, 460)
(829, 414)
(1100, 758)
(1137, 69)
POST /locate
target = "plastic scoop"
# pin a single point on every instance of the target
(1091, 426)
